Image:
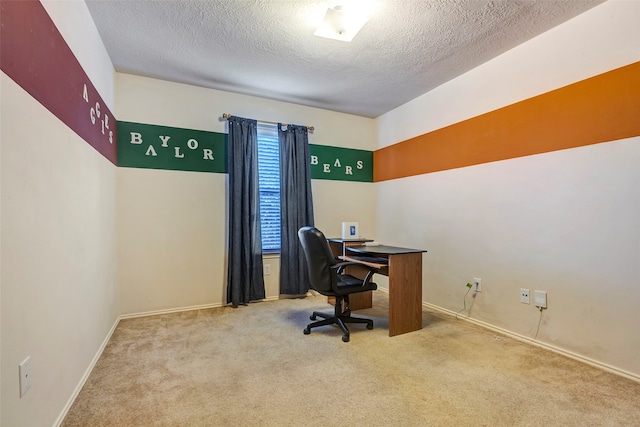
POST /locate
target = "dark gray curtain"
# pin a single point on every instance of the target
(296, 207)
(245, 281)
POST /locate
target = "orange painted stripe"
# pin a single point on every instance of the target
(599, 109)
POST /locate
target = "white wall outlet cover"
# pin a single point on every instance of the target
(540, 299)
(25, 376)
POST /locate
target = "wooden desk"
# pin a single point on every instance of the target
(405, 284)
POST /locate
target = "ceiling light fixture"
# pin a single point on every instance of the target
(342, 22)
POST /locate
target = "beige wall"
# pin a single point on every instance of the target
(58, 248)
(171, 224)
(565, 222)
(84, 242)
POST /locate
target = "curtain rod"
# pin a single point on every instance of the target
(227, 115)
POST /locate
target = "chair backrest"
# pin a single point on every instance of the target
(319, 259)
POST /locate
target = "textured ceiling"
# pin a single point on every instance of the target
(267, 48)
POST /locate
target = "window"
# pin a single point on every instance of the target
(269, 180)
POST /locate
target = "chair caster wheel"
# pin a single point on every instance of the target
(369, 326)
(312, 317)
(345, 338)
(306, 331)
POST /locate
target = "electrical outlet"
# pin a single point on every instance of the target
(267, 269)
(477, 284)
(25, 376)
(524, 296)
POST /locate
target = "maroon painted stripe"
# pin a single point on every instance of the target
(34, 54)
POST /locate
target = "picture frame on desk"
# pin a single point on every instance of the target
(350, 230)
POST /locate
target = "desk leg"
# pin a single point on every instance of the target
(405, 293)
(361, 300)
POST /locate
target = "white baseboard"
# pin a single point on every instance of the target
(489, 326)
(514, 335)
(89, 369)
(532, 341)
(180, 309)
(86, 374)
(169, 310)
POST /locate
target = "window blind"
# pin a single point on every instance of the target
(269, 183)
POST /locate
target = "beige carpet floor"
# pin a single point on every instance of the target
(253, 366)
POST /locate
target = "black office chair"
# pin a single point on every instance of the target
(328, 278)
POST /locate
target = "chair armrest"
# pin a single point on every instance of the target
(343, 264)
(373, 268)
(339, 267)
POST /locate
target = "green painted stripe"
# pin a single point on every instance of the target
(341, 164)
(164, 147)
